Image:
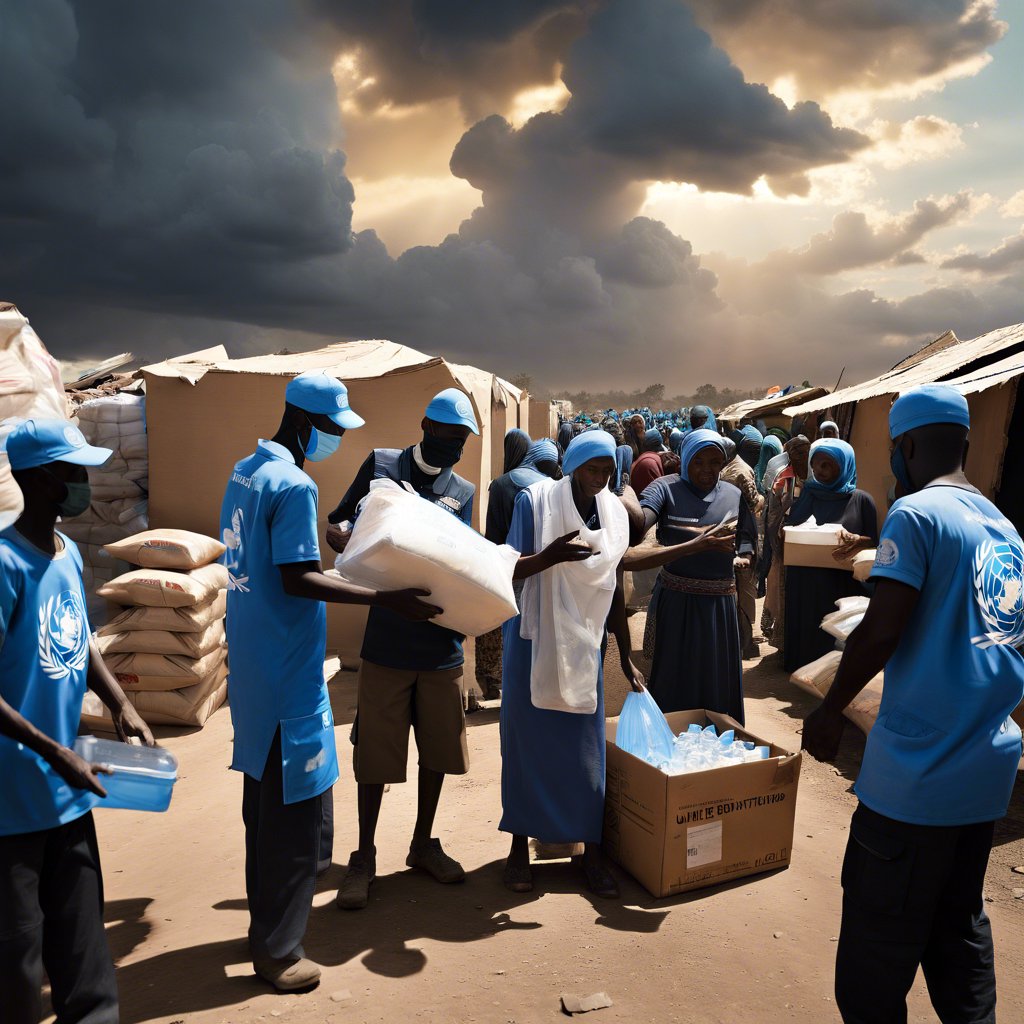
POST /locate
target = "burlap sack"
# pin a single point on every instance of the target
(191, 706)
(165, 588)
(162, 641)
(175, 620)
(180, 707)
(167, 549)
(163, 671)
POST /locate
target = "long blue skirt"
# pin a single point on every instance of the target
(552, 762)
(697, 659)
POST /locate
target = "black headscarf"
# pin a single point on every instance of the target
(516, 443)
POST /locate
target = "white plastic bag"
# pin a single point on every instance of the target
(400, 540)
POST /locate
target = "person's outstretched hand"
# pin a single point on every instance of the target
(568, 549)
(823, 729)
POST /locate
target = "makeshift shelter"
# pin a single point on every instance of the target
(543, 419)
(773, 411)
(986, 369)
(206, 411)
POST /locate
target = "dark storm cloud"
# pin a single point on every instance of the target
(175, 161)
(481, 51)
(862, 44)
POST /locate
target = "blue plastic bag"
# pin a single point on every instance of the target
(642, 730)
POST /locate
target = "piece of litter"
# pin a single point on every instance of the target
(1018, 894)
(341, 996)
(1019, 870)
(777, 935)
(572, 1003)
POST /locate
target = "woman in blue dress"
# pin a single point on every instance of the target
(693, 630)
(552, 747)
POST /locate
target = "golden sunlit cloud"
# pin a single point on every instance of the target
(1014, 206)
(538, 100)
(407, 211)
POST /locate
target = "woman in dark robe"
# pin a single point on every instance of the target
(693, 634)
(516, 444)
(830, 495)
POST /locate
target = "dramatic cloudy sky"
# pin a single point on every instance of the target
(600, 193)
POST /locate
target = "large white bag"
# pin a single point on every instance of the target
(400, 541)
(29, 387)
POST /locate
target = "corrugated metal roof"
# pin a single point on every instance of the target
(990, 376)
(753, 406)
(938, 367)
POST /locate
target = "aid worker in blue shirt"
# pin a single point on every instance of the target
(277, 633)
(51, 886)
(411, 673)
(941, 760)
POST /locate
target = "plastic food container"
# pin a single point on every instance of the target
(823, 536)
(142, 777)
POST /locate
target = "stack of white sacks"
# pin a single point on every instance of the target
(166, 643)
(119, 506)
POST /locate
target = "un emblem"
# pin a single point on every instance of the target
(999, 591)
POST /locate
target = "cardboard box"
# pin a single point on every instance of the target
(813, 556)
(677, 833)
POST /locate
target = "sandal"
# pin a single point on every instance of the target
(600, 881)
(516, 878)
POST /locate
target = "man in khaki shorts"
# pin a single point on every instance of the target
(411, 672)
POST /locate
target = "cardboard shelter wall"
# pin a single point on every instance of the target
(197, 432)
(543, 419)
(991, 411)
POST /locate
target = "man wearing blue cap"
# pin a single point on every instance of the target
(941, 760)
(277, 633)
(51, 885)
(411, 672)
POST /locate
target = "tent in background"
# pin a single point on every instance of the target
(987, 370)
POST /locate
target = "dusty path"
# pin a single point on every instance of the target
(759, 950)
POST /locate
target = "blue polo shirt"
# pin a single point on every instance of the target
(44, 661)
(276, 642)
(944, 750)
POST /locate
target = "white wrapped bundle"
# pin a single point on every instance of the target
(817, 677)
(400, 541)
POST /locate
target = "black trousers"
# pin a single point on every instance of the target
(282, 849)
(51, 915)
(912, 896)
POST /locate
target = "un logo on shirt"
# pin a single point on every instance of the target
(63, 636)
(999, 591)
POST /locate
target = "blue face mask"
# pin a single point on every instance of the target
(320, 445)
(898, 464)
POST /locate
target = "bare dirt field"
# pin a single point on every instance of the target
(759, 950)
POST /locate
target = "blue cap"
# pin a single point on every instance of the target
(317, 391)
(452, 406)
(38, 442)
(591, 444)
(654, 434)
(929, 403)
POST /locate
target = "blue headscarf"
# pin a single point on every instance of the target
(565, 435)
(770, 447)
(517, 442)
(840, 489)
(623, 464)
(593, 444)
(526, 473)
(697, 440)
(706, 410)
(675, 440)
(752, 433)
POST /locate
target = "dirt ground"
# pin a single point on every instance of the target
(760, 949)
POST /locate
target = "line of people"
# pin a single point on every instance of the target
(570, 508)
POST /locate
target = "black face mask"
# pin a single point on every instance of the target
(440, 452)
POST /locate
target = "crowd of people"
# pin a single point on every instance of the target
(577, 508)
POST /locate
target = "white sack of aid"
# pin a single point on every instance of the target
(399, 541)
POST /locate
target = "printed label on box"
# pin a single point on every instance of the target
(703, 845)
